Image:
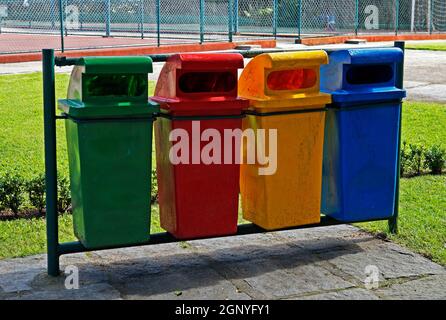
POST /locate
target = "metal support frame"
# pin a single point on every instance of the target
(56, 249)
(49, 105)
(356, 17)
(393, 222)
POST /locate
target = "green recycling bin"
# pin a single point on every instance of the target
(109, 140)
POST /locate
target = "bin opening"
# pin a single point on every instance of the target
(292, 79)
(207, 82)
(369, 74)
(116, 85)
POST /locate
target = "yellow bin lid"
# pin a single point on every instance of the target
(284, 81)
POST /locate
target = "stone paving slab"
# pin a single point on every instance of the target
(348, 294)
(203, 283)
(100, 291)
(320, 263)
(431, 287)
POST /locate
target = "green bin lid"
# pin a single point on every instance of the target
(101, 65)
(104, 87)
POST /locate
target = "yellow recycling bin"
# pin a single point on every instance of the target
(284, 94)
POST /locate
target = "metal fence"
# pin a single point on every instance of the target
(170, 21)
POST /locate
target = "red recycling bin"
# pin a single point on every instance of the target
(198, 178)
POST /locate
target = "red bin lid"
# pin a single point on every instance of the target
(200, 83)
(207, 61)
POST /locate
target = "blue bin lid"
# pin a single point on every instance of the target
(344, 98)
(362, 75)
(367, 56)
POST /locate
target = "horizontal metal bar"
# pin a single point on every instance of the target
(168, 116)
(165, 237)
(108, 119)
(199, 118)
(281, 113)
(64, 61)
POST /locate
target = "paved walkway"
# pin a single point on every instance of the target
(425, 75)
(320, 263)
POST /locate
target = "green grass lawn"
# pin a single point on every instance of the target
(21, 124)
(423, 199)
(422, 219)
(436, 46)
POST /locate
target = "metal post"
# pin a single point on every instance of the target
(276, 5)
(397, 16)
(141, 5)
(356, 17)
(49, 111)
(300, 19)
(393, 222)
(230, 20)
(158, 23)
(202, 21)
(107, 17)
(53, 13)
(65, 16)
(412, 17)
(61, 19)
(431, 16)
(235, 15)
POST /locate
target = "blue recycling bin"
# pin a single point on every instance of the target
(361, 134)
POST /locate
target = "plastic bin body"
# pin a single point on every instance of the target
(109, 141)
(198, 199)
(361, 137)
(291, 196)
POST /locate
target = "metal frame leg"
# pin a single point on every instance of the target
(49, 105)
(393, 221)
